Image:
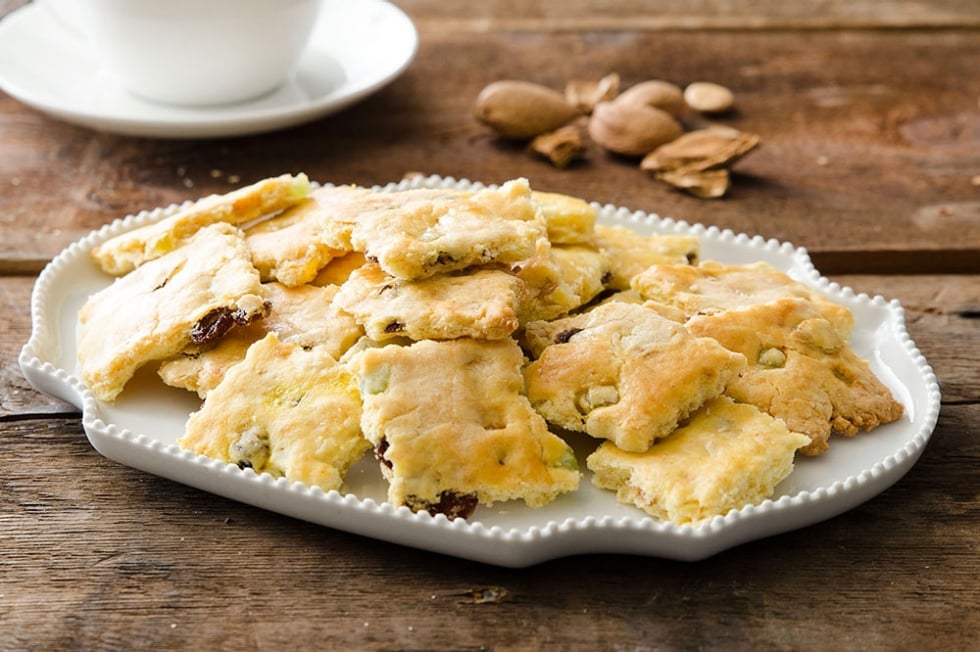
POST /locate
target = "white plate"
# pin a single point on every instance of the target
(356, 48)
(141, 429)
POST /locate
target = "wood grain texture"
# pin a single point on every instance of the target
(99, 555)
(700, 15)
(908, 114)
(870, 123)
(679, 14)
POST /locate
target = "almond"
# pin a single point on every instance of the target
(631, 129)
(658, 94)
(707, 184)
(708, 97)
(521, 110)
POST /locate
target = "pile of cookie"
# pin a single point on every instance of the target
(461, 335)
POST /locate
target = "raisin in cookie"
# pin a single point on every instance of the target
(194, 294)
(800, 370)
(621, 372)
(129, 250)
(452, 428)
(482, 304)
(286, 410)
(305, 315)
(199, 369)
(724, 457)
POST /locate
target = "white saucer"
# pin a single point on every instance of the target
(355, 50)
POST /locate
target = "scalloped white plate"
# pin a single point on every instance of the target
(141, 429)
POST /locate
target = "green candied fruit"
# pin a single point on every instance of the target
(567, 460)
(161, 245)
(301, 186)
(375, 381)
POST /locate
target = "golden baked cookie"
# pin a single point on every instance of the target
(350, 208)
(305, 315)
(726, 456)
(570, 220)
(630, 252)
(309, 316)
(452, 429)
(199, 369)
(560, 279)
(338, 270)
(294, 246)
(623, 373)
(800, 370)
(129, 250)
(286, 410)
(482, 304)
(714, 287)
(194, 294)
(418, 233)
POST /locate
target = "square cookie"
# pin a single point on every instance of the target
(482, 304)
(418, 233)
(800, 370)
(129, 250)
(714, 287)
(285, 410)
(452, 428)
(194, 294)
(624, 373)
(726, 456)
(295, 245)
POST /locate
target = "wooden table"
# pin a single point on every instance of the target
(870, 124)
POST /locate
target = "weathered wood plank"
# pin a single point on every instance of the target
(942, 314)
(17, 397)
(871, 147)
(871, 167)
(99, 555)
(680, 15)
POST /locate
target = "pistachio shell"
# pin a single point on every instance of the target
(585, 94)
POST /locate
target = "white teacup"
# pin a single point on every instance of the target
(198, 52)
